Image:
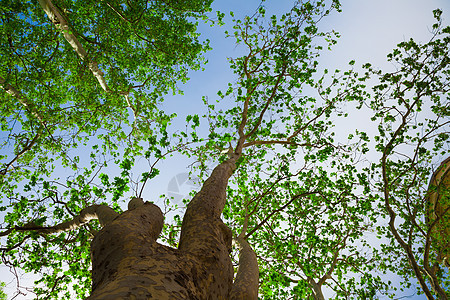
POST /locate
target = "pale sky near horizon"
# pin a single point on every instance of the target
(369, 30)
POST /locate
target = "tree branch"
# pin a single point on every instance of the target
(246, 284)
(57, 18)
(22, 100)
(252, 143)
(387, 198)
(276, 211)
(22, 152)
(272, 95)
(103, 213)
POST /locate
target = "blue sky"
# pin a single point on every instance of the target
(369, 29)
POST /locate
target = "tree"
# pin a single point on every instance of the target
(73, 69)
(409, 140)
(297, 201)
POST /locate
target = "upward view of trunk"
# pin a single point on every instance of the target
(128, 263)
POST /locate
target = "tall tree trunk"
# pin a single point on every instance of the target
(128, 263)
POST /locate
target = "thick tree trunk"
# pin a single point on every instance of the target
(316, 289)
(128, 263)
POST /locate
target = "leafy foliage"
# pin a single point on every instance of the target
(295, 186)
(304, 199)
(412, 108)
(81, 97)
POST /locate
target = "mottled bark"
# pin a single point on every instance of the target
(247, 277)
(204, 235)
(128, 263)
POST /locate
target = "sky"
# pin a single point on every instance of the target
(369, 30)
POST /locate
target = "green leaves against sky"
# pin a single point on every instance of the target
(82, 99)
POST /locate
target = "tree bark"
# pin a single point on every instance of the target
(57, 18)
(22, 100)
(316, 289)
(247, 277)
(103, 213)
(438, 220)
(128, 263)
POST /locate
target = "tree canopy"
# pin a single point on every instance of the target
(81, 90)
